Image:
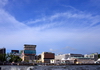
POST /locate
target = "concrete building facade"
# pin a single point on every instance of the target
(29, 52)
(76, 58)
(72, 58)
(47, 56)
(66, 56)
(93, 56)
(81, 60)
(2, 50)
(14, 51)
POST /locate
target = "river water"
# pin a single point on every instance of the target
(67, 67)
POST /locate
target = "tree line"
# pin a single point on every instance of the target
(9, 58)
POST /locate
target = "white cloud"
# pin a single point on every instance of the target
(70, 48)
(32, 22)
(59, 30)
(8, 22)
(53, 50)
(68, 19)
(3, 3)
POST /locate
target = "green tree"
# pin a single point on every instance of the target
(10, 58)
(17, 59)
(13, 58)
(2, 57)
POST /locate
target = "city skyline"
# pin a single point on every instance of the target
(59, 26)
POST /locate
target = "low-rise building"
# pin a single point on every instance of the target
(55, 61)
(81, 60)
(66, 56)
(15, 52)
(47, 56)
(92, 56)
(73, 58)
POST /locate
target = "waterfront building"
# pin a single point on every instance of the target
(28, 53)
(70, 58)
(55, 61)
(80, 60)
(93, 56)
(15, 52)
(47, 56)
(66, 56)
(2, 54)
(74, 58)
(2, 50)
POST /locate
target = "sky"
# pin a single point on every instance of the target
(58, 26)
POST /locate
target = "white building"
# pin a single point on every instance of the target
(67, 58)
(73, 58)
(93, 56)
(55, 61)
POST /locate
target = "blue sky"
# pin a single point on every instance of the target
(59, 26)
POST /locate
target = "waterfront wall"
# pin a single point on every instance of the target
(67, 67)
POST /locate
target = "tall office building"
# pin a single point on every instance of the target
(29, 52)
(2, 54)
(2, 50)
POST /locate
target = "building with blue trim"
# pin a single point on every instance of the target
(29, 52)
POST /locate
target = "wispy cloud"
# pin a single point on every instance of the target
(53, 50)
(68, 19)
(70, 48)
(8, 22)
(3, 3)
(73, 28)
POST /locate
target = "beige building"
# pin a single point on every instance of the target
(81, 60)
(47, 56)
(29, 52)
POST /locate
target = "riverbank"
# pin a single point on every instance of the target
(38, 64)
(62, 67)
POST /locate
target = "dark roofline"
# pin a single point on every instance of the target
(28, 45)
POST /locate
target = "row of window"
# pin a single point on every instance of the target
(29, 51)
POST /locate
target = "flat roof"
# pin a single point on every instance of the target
(28, 45)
